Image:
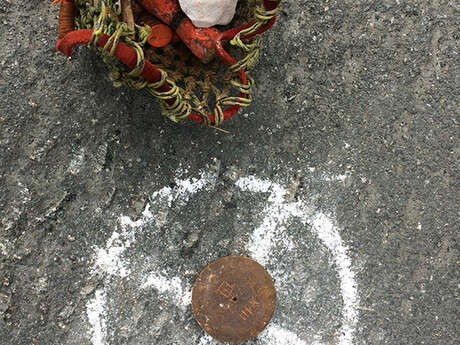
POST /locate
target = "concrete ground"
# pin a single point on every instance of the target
(342, 179)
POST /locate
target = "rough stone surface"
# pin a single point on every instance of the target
(207, 13)
(342, 178)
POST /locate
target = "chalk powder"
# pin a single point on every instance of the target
(262, 241)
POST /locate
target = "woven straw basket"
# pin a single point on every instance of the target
(186, 87)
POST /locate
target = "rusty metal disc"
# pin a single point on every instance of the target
(233, 299)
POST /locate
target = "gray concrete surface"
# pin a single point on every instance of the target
(342, 179)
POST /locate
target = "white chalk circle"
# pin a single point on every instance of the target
(270, 243)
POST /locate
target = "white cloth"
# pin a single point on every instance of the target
(207, 13)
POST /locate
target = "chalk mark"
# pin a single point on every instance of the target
(109, 259)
